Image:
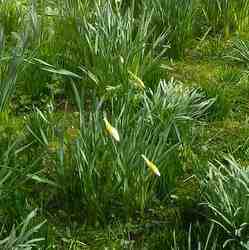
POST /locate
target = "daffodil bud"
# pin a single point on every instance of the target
(151, 166)
(111, 130)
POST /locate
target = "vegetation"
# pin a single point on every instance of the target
(124, 124)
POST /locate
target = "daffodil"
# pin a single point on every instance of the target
(137, 81)
(151, 166)
(111, 130)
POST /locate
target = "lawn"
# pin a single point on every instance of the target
(124, 124)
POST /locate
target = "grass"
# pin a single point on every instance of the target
(123, 124)
(226, 16)
(224, 199)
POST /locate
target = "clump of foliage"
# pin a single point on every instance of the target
(98, 135)
(226, 191)
(226, 16)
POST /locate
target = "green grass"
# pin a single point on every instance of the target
(169, 168)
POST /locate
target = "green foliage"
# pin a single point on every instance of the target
(229, 75)
(21, 238)
(226, 191)
(178, 18)
(194, 243)
(240, 51)
(174, 107)
(226, 16)
(105, 172)
(11, 17)
(107, 150)
(117, 44)
(38, 126)
(10, 65)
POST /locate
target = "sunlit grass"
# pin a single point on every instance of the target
(110, 111)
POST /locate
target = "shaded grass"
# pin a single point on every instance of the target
(94, 191)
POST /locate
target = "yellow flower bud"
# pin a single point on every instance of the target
(111, 130)
(151, 166)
